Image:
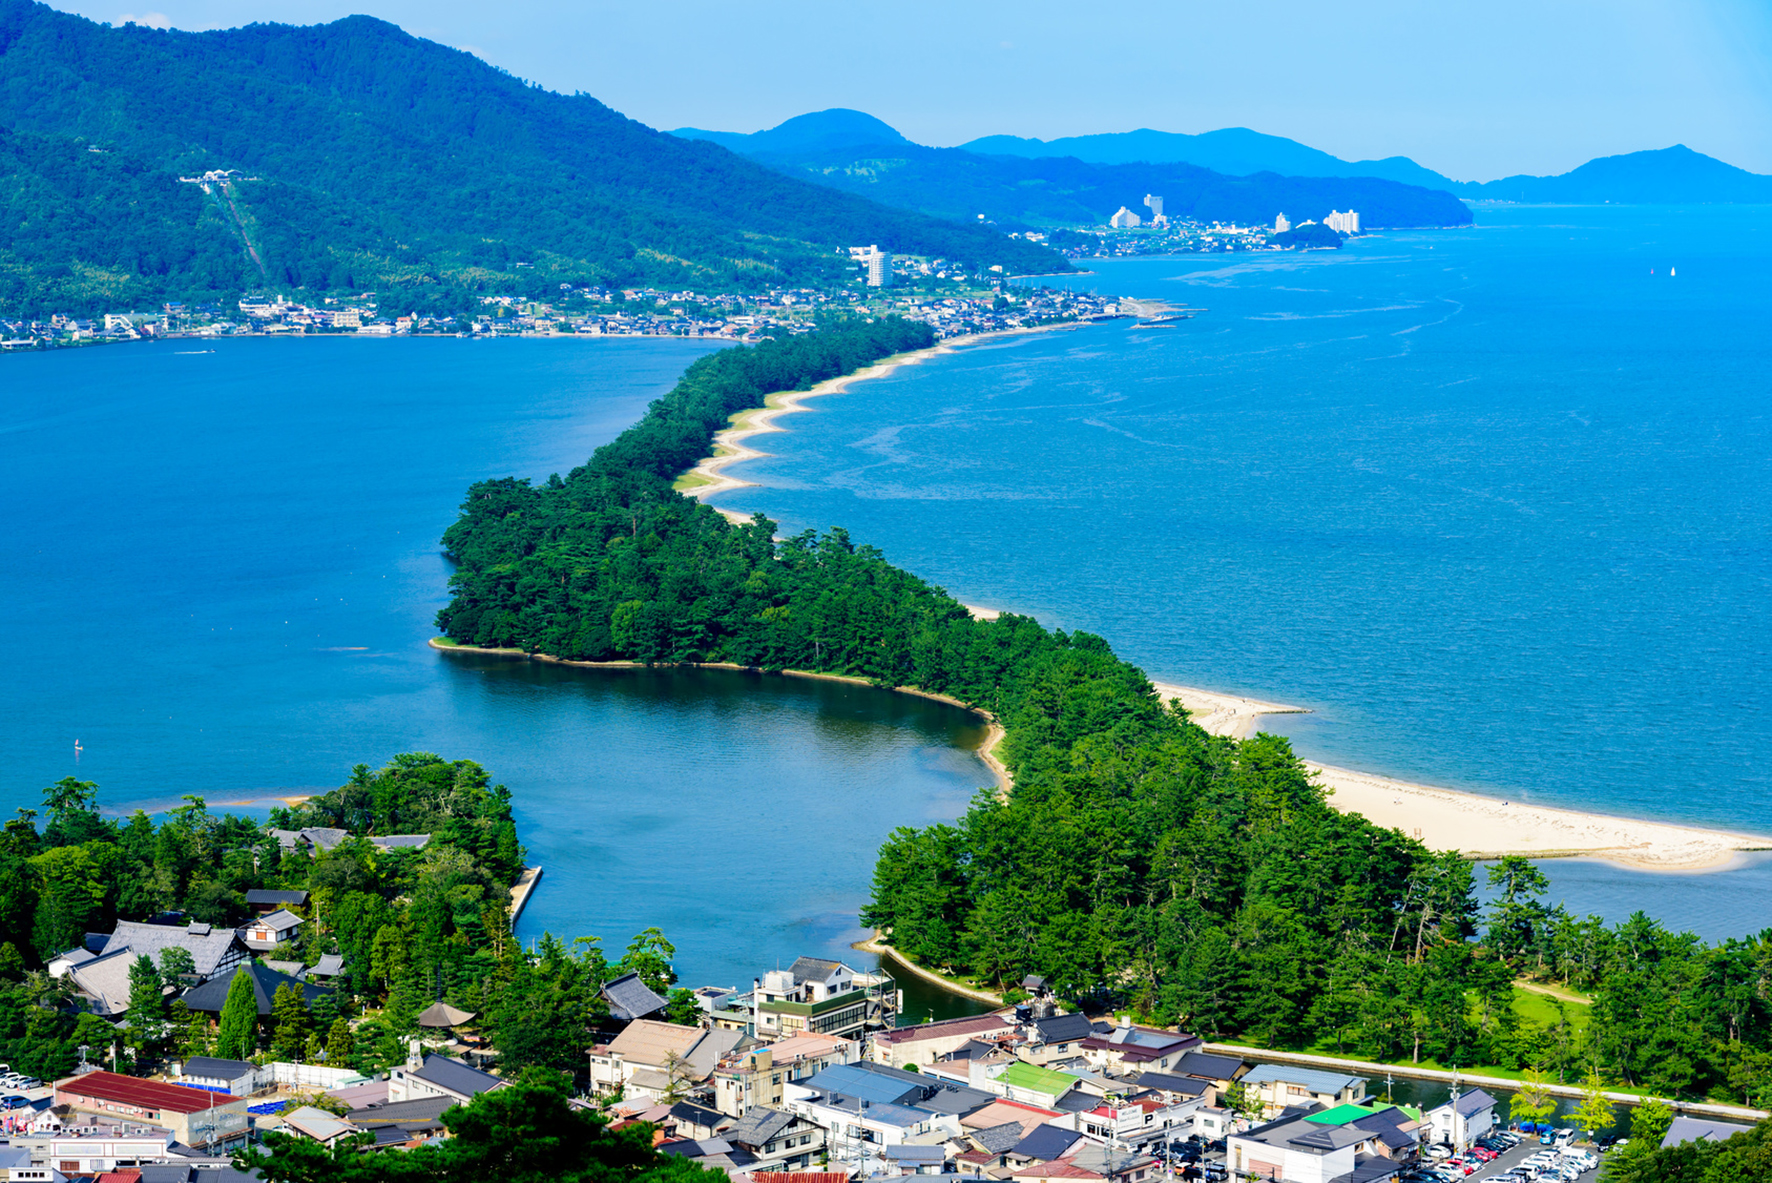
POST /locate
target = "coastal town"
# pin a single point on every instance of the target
(934, 291)
(805, 1075)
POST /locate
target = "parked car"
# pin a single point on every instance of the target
(16, 1101)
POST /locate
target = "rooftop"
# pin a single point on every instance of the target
(144, 1094)
(1035, 1079)
(1313, 1079)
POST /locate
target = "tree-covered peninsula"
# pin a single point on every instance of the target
(1138, 861)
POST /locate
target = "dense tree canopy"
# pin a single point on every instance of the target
(371, 159)
(1139, 861)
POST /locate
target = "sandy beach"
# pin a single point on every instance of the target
(1475, 825)
(710, 476)
(1480, 826)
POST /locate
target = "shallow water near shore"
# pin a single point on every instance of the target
(221, 573)
(1494, 503)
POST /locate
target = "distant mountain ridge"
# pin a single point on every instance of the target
(1234, 151)
(1675, 175)
(366, 158)
(855, 152)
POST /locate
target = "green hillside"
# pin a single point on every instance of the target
(372, 159)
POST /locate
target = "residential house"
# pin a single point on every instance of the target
(263, 901)
(907, 1159)
(1309, 1144)
(196, 1117)
(312, 838)
(1022, 1081)
(428, 1074)
(689, 1120)
(326, 969)
(212, 995)
(401, 1125)
(629, 998)
(1216, 1070)
(925, 1043)
(264, 933)
(213, 950)
(654, 1059)
(1137, 1049)
(1463, 1119)
(1282, 1086)
(1056, 1037)
(1139, 1122)
(867, 1107)
(317, 1125)
(1700, 1129)
(104, 982)
(775, 1140)
(755, 1076)
(1178, 1088)
(812, 995)
(96, 1144)
(237, 1078)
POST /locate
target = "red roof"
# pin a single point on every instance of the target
(967, 1026)
(144, 1094)
(797, 1176)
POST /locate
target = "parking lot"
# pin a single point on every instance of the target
(1498, 1167)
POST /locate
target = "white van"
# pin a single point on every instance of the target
(1563, 1139)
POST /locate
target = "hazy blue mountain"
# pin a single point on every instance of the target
(1011, 191)
(1235, 151)
(1669, 176)
(369, 158)
(818, 131)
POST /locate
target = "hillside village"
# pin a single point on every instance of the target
(803, 1074)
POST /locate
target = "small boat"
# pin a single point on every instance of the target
(1671, 273)
(77, 749)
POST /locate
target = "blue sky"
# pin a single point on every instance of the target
(1474, 90)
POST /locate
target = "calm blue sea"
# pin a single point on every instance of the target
(221, 569)
(1493, 503)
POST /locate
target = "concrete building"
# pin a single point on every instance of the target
(198, 1118)
(1463, 1119)
(1125, 219)
(1281, 225)
(924, 1044)
(1281, 1086)
(427, 1074)
(812, 995)
(1348, 223)
(1139, 1049)
(879, 270)
(747, 1079)
(237, 1078)
(1154, 204)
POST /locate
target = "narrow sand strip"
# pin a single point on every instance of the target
(710, 476)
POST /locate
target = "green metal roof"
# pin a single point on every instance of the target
(1342, 1114)
(1036, 1079)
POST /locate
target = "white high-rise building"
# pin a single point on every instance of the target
(1348, 223)
(1281, 225)
(1125, 220)
(1156, 205)
(879, 269)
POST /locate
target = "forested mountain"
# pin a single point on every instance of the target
(373, 159)
(839, 127)
(951, 183)
(855, 152)
(1235, 151)
(1670, 176)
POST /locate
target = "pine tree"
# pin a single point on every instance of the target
(339, 1044)
(147, 1003)
(238, 1036)
(290, 1014)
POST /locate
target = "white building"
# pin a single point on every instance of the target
(1155, 203)
(1464, 1119)
(879, 270)
(1281, 225)
(1125, 220)
(1348, 223)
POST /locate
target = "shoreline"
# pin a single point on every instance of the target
(1473, 824)
(938, 980)
(985, 751)
(709, 475)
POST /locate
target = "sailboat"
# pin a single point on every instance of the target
(77, 749)
(1671, 273)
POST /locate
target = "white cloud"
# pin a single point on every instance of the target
(153, 20)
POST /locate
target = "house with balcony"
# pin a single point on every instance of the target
(755, 1077)
(1282, 1086)
(813, 996)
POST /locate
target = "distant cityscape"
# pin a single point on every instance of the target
(934, 291)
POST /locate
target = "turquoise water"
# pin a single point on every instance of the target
(221, 570)
(1493, 503)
